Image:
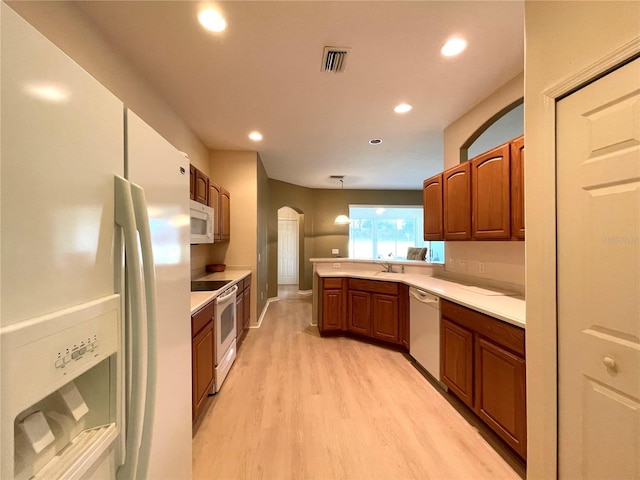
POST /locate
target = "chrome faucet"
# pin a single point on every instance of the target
(388, 266)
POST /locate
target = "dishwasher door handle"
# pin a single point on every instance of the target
(424, 297)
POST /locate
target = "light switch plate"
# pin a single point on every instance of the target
(335, 251)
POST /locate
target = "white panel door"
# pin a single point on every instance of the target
(598, 200)
(287, 252)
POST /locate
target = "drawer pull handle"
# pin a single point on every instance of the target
(609, 362)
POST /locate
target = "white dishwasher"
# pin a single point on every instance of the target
(424, 330)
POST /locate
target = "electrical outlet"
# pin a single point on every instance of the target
(259, 257)
(481, 267)
(463, 265)
(336, 265)
(335, 251)
(452, 264)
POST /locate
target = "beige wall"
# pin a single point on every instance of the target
(238, 172)
(562, 39)
(469, 126)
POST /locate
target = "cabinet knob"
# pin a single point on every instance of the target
(609, 362)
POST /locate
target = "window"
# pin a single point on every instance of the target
(387, 232)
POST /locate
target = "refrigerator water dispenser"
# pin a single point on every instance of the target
(60, 387)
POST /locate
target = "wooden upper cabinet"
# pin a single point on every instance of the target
(456, 186)
(192, 182)
(490, 195)
(214, 202)
(517, 188)
(201, 188)
(432, 208)
(225, 214)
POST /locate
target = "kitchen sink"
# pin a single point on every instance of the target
(208, 285)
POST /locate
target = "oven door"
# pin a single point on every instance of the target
(225, 327)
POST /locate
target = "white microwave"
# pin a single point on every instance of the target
(202, 218)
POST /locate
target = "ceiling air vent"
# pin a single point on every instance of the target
(334, 59)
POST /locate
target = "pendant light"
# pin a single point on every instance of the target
(341, 219)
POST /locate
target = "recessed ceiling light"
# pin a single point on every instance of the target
(402, 108)
(375, 141)
(255, 136)
(453, 46)
(212, 20)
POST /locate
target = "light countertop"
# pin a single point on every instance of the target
(509, 308)
(200, 299)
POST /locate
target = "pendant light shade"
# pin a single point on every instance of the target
(341, 219)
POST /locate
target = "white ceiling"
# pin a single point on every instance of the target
(263, 73)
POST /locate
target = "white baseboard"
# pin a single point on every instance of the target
(264, 311)
(305, 292)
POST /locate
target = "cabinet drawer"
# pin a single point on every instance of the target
(332, 283)
(390, 288)
(240, 285)
(247, 281)
(507, 335)
(201, 318)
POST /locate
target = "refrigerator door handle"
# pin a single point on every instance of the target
(125, 218)
(149, 273)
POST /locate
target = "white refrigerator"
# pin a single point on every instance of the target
(95, 337)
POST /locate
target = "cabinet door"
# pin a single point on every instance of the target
(332, 310)
(239, 315)
(490, 195)
(500, 393)
(192, 182)
(201, 188)
(432, 208)
(517, 188)
(246, 307)
(360, 312)
(385, 318)
(214, 202)
(456, 187)
(202, 364)
(225, 214)
(456, 360)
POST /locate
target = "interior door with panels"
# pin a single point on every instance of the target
(598, 262)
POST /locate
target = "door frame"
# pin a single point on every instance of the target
(541, 284)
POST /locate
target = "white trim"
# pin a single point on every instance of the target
(305, 292)
(612, 60)
(545, 372)
(264, 312)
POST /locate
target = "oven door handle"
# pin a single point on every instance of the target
(227, 294)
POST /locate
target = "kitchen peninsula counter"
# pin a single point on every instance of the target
(509, 308)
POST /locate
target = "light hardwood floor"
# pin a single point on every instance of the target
(298, 406)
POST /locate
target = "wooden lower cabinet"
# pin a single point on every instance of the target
(367, 308)
(203, 368)
(456, 363)
(202, 357)
(384, 312)
(482, 362)
(359, 312)
(240, 313)
(500, 393)
(246, 303)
